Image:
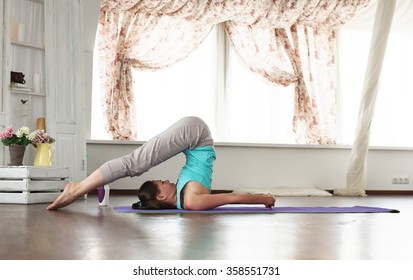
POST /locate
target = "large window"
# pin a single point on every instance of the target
(239, 106)
(187, 88)
(391, 121)
(214, 84)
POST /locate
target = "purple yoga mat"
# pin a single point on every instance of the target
(249, 209)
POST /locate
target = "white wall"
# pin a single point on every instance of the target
(248, 166)
(251, 166)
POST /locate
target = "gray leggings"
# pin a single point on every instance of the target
(187, 133)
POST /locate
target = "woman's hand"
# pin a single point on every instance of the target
(270, 200)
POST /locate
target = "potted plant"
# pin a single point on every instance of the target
(16, 142)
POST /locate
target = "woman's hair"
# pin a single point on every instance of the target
(147, 194)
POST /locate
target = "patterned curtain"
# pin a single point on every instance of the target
(301, 51)
(282, 41)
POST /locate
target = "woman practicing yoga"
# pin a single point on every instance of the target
(192, 190)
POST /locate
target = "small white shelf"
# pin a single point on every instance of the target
(27, 45)
(37, 1)
(42, 94)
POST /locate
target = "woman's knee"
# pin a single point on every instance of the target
(192, 120)
(193, 131)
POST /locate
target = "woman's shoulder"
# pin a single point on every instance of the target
(194, 187)
(191, 191)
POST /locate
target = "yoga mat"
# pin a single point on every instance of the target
(263, 210)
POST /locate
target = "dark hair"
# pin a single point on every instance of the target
(147, 194)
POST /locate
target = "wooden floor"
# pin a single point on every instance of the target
(86, 231)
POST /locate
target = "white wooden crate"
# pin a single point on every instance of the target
(30, 184)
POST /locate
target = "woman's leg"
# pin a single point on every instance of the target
(187, 133)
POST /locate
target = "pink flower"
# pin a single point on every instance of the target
(8, 133)
(46, 137)
(40, 136)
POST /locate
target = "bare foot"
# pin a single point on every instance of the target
(67, 197)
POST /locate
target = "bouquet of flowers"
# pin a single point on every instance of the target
(21, 137)
(24, 137)
(40, 136)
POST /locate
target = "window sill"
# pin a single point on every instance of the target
(259, 145)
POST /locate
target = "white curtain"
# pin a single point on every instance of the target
(357, 171)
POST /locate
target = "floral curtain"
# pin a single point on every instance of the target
(282, 41)
(300, 51)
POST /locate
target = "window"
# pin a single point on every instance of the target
(187, 88)
(251, 110)
(256, 111)
(214, 84)
(391, 121)
(238, 105)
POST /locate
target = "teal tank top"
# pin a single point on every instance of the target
(198, 167)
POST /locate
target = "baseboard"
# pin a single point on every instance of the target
(383, 192)
(388, 192)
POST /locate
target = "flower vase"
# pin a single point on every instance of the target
(16, 154)
(44, 154)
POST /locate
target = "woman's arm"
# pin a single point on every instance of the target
(209, 201)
